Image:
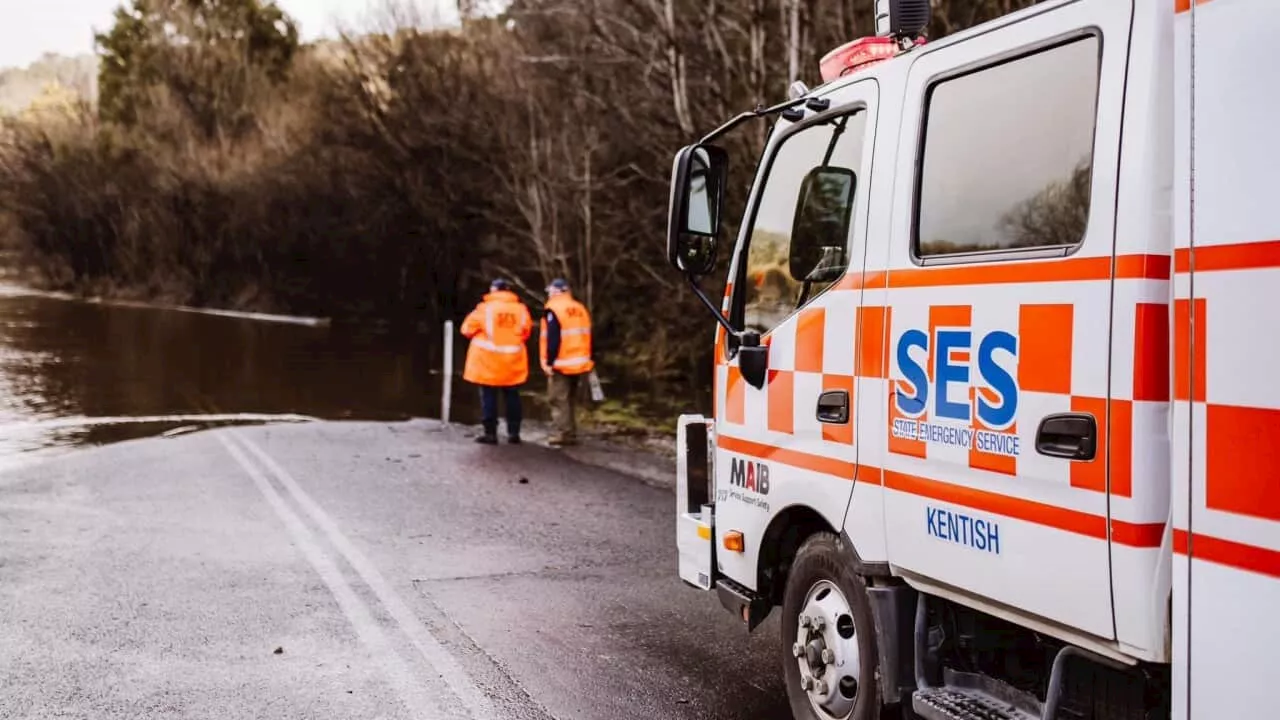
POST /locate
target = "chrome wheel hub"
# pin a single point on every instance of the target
(826, 649)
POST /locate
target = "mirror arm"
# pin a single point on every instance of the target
(749, 115)
(720, 318)
(804, 292)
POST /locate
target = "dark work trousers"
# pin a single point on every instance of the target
(489, 409)
(564, 391)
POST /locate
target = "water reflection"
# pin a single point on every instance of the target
(66, 359)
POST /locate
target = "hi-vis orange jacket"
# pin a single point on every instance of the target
(571, 347)
(498, 329)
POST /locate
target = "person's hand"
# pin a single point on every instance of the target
(547, 369)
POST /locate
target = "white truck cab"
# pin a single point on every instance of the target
(995, 378)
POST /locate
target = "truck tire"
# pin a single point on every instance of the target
(828, 647)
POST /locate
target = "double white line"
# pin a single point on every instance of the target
(413, 693)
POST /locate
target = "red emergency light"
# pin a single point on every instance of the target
(860, 53)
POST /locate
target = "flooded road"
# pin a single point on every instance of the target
(318, 569)
(72, 373)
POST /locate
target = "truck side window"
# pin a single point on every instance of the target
(770, 291)
(1008, 154)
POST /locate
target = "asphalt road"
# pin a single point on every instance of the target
(356, 570)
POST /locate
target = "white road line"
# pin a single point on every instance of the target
(412, 693)
(432, 651)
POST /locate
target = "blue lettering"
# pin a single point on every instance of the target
(914, 375)
(963, 529)
(998, 443)
(1002, 415)
(945, 373)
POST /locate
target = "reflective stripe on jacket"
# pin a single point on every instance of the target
(573, 352)
(498, 329)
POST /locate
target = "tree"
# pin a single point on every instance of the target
(207, 57)
(1056, 215)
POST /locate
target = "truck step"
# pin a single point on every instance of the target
(969, 696)
(964, 704)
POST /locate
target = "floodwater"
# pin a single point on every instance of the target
(75, 373)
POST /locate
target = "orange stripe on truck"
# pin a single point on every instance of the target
(1053, 516)
(1240, 556)
(1138, 535)
(1237, 256)
(794, 458)
(1127, 267)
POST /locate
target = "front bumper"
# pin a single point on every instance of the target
(695, 509)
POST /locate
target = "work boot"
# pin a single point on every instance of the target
(490, 436)
(513, 439)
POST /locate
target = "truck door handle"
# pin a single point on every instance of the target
(1073, 436)
(833, 407)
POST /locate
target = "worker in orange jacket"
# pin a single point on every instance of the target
(564, 348)
(497, 359)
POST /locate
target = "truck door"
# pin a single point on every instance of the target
(1226, 460)
(805, 226)
(998, 296)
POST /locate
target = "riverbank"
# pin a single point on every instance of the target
(10, 288)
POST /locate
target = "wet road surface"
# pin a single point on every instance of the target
(356, 570)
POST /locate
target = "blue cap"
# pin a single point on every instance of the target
(558, 284)
(499, 284)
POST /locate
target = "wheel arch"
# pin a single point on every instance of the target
(786, 532)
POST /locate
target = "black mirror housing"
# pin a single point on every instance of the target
(753, 360)
(698, 177)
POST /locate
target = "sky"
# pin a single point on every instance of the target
(30, 28)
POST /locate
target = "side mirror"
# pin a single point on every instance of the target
(753, 360)
(820, 231)
(698, 177)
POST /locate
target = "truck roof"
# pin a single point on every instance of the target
(961, 36)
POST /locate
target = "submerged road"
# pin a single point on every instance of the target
(356, 570)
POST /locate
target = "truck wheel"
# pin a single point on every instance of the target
(828, 636)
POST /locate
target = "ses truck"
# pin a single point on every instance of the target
(997, 406)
